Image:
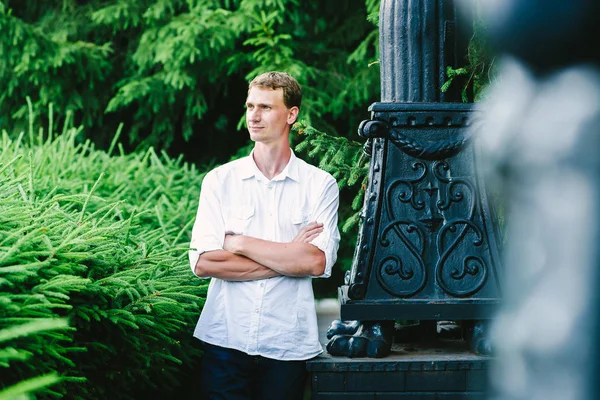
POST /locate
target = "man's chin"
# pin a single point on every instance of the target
(256, 137)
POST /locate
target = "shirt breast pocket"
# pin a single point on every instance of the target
(299, 218)
(238, 220)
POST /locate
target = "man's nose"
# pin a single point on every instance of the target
(254, 115)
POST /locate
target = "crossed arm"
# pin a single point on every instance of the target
(245, 258)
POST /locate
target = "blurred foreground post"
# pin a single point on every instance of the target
(542, 124)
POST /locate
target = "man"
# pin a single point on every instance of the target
(266, 224)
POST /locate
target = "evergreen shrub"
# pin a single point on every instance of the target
(98, 240)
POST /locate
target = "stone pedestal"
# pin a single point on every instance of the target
(441, 370)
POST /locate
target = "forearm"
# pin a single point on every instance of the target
(291, 259)
(231, 267)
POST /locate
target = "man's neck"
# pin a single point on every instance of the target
(271, 159)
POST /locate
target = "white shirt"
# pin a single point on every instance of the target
(273, 317)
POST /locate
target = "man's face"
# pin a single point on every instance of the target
(268, 118)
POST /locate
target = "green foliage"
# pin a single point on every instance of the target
(478, 71)
(452, 73)
(481, 60)
(177, 70)
(46, 60)
(24, 389)
(102, 241)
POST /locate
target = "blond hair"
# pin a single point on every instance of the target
(292, 93)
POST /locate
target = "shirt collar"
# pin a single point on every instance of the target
(249, 169)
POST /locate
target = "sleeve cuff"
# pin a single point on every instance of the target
(194, 255)
(322, 242)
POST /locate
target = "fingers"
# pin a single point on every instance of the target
(231, 242)
(313, 233)
(310, 238)
(310, 229)
(309, 232)
(313, 226)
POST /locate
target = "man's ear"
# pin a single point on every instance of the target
(293, 115)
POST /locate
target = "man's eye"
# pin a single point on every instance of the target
(266, 107)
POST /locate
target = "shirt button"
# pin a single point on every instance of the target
(256, 311)
(270, 186)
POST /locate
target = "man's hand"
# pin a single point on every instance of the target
(231, 243)
(309, 232)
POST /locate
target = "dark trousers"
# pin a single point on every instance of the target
(229, 374)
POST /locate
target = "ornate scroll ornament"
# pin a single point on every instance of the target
(471, 273)
(403, 274)
(404, 278)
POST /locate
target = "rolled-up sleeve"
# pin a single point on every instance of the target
(326, 212)
(208, 230)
